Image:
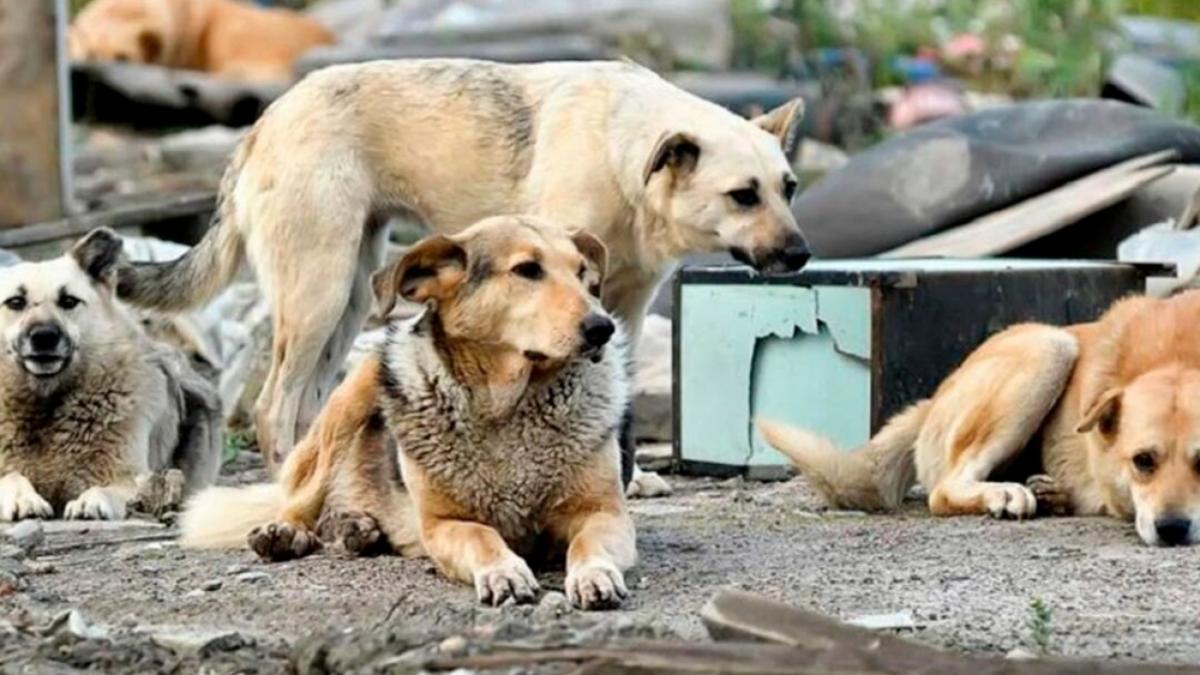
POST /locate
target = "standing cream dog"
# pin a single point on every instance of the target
(609, 148)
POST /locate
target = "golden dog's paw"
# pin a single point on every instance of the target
(1052, 499)
(647, 484)
(596, 585)
(18, 500)
(357, 531)
(96, 503)
(1009, 500)
(509, 578)
(282, 541)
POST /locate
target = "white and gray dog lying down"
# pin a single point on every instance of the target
(89, 402)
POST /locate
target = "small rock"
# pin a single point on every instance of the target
(194, 593)
(1021, 654)
(894, 621)
(252, 577)
(12, 551)
(552, 606)
(234, 570)
(28, 534)
(39, 569)
(186, 641)
(212, 585)
(74, 623)
(453, 646)
(836, 513)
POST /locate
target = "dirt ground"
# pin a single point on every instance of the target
(143, 604)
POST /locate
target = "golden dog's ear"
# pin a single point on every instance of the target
(97, 255)
(431, 270)
(784, 123)
(150, 44)
(677, 151)
(597, 256)
(1103, 415)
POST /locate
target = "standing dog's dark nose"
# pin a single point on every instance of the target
(1173, 531)
(596, 329)
(45, 337)
(795, 252)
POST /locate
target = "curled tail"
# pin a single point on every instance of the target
(874, 477)
(198, 275)
(221, 517)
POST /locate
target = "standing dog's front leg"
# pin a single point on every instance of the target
(101, 502)
(475, 553)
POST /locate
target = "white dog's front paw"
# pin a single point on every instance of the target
(647, 484)
(96, 503)
(509, 578)
(19, 500)
(596, 585)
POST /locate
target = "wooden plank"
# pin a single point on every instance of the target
(201, 204)
(1031, 219)
(33, 140)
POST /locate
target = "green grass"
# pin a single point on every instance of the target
(1040, 625)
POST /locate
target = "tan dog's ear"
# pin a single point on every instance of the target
(1104, 414)
(151, 46)
(597, 254)
(97, 255)
(431, 270)
(678, 151)
(784, 123)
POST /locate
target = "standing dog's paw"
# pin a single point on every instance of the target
(282, 541)
(596, 585)
(647, 484)
(95, 503)
(509, 578)
(358, 532)
(18, 499)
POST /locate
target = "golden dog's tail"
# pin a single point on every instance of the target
(874, 477)
(221, 517)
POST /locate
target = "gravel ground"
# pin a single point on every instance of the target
(967, 582)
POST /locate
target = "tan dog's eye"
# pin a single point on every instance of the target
(789, 189)
(530, 270)
(16, 303)
(745, 197)
(68, 302)
(1145, 462)
(582, 271)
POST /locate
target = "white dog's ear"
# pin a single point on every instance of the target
(97, 254)
(433, 269)
(784, 123)
(1104, 414)
(677, 151)
(596, 254)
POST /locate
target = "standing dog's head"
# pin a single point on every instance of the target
(50, 309)
(515, 283)
(729, 186)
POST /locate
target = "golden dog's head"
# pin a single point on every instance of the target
(730, 186)
(120, 30)
(55, 311)
(514, 283)
(1151, 426)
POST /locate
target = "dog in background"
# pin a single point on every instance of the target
(87, 401)
(504, 398)
(609, 148)
(1099, 418)
(225, 38)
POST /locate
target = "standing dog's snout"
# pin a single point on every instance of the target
(1173, 531)
(795, 253)
(596, 329)
(45, 337)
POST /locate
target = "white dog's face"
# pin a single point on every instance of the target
(49, 309)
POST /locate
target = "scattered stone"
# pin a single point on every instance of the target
(12, 551)
(252, 577)
(894, 621)
(73, 622)
(78, 526)
(42, 568)
(552, 606)
(198, 641)
(453, 646)
(195, 593)
(1020, 654)
(234, 570)
(27, 534)
(836, 513)
(212, 585)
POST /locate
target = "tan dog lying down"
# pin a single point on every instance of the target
(227, 38)
(1110, 411)
(504, 399)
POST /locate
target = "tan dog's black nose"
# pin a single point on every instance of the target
(1173, 531)
(45, 337)
(597, 329)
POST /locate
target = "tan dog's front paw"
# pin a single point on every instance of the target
(1052, 499)
(510, 578)
(96, 503)
(647, 484)
(358, 532)
(596, 585)
(1009, 500)
(282, 541)
(18, 499)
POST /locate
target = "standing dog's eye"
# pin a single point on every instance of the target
(1145, 462)
(68, 302)
(16, 303)
(529, 270)
(582, 271)
(745, 197)
(789, 188)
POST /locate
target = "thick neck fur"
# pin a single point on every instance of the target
(495, 377)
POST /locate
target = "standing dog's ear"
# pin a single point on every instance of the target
(677, 151)
(97, 255)
(1104, 414)
(431, 270)
(784, 123)
(597, 256)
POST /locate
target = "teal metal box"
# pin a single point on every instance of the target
(842, 345)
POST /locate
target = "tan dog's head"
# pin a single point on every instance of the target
(55, 309)
(511, 282)
(120, 30)
(730, 186)
(1152, 428)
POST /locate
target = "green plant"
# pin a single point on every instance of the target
(236, 442)
(1040, 625)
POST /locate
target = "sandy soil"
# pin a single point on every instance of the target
(967, 582)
